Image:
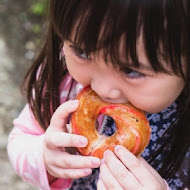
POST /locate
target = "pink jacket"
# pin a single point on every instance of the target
(25, 145)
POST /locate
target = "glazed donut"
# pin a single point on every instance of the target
(132, 127)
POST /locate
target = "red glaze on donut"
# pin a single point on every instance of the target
(132, 127)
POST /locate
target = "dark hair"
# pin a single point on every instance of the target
(165, 28)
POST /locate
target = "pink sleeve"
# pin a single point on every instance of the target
(25, 145)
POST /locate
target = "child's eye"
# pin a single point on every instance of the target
(130, 73)
(79, 52)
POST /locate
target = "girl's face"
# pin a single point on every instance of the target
(145, 89)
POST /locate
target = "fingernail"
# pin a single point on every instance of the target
(83, 141)
(87, 171)
(74, 102)
(102, 161)
(117, 148)
(107, 153)
(96, 162)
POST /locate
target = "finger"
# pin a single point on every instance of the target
(59, 117)
(68, 161)
(100, 184)
(134, 165)
(124, 177)
(151, 169)
(54, 140)
(69, 173)
(107, 178)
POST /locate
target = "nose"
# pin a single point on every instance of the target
(106, 91)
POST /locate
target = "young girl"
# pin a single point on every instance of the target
(127, 51)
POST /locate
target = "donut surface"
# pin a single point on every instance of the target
(132, 127)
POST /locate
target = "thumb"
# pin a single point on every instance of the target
(59, 118)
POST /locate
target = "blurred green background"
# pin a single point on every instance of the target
(22, 24)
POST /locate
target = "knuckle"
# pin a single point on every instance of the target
(66, 162)
(49, 141)
(67, 175)
(122, 175)
(112, 186)
(62, 173)
(134, 165)
(72, 140)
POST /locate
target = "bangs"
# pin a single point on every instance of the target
(116, 27)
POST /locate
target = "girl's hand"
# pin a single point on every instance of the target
(58, 162)
(123, 170)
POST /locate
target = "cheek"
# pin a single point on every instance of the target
(77, 71)
(156, 97)
(151, 104)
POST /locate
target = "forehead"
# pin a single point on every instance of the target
(97, 25)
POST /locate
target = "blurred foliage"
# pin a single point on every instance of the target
(36, 28)
(39, 9)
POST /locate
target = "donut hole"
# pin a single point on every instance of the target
(105, 125)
